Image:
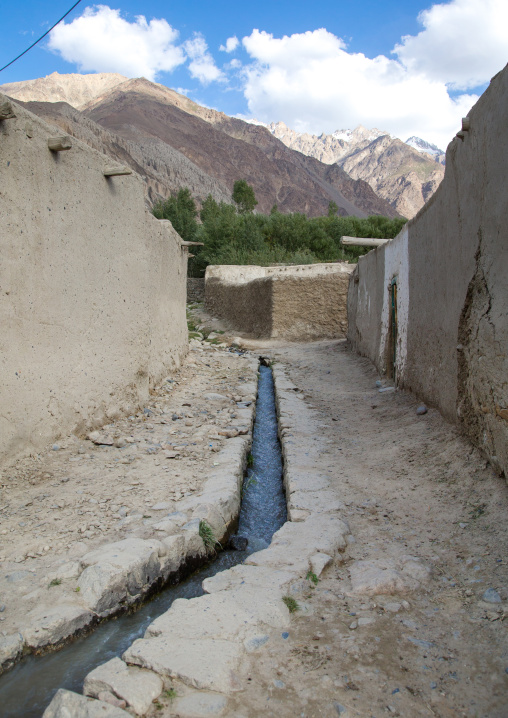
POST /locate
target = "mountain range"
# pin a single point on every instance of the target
(406, 174)
(172, 141)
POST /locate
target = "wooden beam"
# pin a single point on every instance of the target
(363, 241)
(6, 111)
(59, 143)
(116, 171)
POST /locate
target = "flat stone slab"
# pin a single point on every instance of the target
(137, 687)
(10, 647)
(294, 543)
(205, 664)
(315, 501)
(66, 704)
(259, 576)
(226, 615)
(118, 572)
(306, 481)
(49, 625)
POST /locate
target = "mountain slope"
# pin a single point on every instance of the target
(397, 173)
(172, 142)
(404, 176)
(229, 149)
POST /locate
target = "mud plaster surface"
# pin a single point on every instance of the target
(408, 483)
(60, 504)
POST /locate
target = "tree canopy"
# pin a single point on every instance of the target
(243, 196)
(233, 234)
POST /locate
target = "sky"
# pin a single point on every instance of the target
(404, 66)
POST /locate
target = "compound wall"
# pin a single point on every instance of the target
(92, 290)
(297, 303)
(451, 267)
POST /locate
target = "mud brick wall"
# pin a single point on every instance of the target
(92, 289)
(451, 265)
(297, 303)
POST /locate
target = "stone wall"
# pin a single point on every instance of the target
(298, 303)
(92, 290)
(195, 289)
(451, 264)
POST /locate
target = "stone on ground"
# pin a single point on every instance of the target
(67, 704)
(205, 663)
(199, 705)
(137, 687)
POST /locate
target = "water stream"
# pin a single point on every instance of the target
(28, 688)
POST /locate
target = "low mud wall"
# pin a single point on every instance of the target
(92, 289)
(450, 264)
(298, 303)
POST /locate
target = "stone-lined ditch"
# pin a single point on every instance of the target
(28, 688)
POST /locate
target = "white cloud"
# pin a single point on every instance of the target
(231, 44)
(313, 84)
(463, 44)
(202, 65)
(102, 41)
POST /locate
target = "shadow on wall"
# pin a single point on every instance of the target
(295, 303)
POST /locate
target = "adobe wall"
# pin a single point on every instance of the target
(92, 290)
(297, 303)
(451, 261)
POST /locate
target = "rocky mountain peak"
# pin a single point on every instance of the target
(430, 149)
(75, 89)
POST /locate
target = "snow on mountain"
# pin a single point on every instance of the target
(423, 146)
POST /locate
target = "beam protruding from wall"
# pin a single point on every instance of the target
(363, 241)
(116, 171)
(6, 110)
(60, 143)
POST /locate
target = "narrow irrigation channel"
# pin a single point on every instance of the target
(28, 688)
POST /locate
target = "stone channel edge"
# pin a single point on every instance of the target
(200, 645)
(117, 576)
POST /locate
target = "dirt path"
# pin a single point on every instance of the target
(411, 486)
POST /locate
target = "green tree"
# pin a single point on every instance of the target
(243, 196)
(209, 209)
(332, 208)
(181, 211)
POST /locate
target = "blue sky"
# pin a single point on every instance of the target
(408, 67)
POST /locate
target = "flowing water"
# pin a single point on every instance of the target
(26, 689)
